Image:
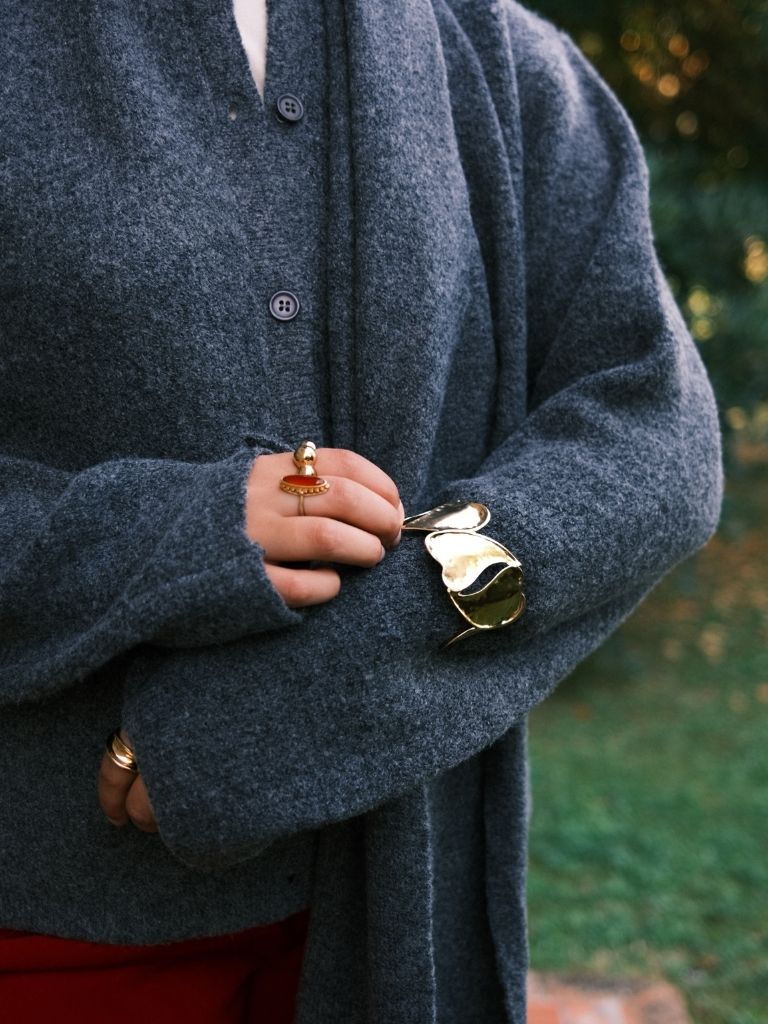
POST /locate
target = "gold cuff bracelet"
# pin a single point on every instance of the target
(464, 554)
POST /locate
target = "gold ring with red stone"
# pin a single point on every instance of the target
(305, 481)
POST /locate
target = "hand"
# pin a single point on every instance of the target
(123, 796)
(353, 523)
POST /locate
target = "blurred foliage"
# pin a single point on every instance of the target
(650, 786)
(650, 825)
(694, 78)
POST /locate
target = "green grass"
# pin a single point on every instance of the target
(649, 843)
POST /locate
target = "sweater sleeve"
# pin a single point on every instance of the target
(612, 479)
(124, 552)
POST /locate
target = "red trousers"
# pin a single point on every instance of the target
(247, 978)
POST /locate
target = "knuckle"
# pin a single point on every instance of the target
(334, 583)
(347, 461)
(140, 813)
(143, 821)
(392, 495)
(109, 807)
(374, 556)
(106, 779)
(343, 488)
(396, 522)
(295, 588)
(325, 536)
(110, 804)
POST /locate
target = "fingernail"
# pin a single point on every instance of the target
(383, 552)
(115, 821)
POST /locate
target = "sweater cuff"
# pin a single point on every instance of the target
(206, 582)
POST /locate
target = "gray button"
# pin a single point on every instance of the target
(289, 108)
(283, 305)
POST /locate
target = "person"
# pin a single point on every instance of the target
(426, 249)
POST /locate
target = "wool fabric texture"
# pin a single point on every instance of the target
(484, 316)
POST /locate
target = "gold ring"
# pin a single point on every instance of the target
(120, 753)
(305, 481)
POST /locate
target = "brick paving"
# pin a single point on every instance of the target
(555, 999)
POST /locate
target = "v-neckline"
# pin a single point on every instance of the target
(224, 55)
(254, 37)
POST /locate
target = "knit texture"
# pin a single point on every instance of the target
(493, 325)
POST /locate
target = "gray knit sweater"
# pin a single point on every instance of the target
(463, 212)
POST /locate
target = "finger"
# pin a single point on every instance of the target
(139, 806)
(302, 587)
(342, 462)
(114, 783)
(318, 539)
(353, 503)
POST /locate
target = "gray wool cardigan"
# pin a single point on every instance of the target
(463, 213)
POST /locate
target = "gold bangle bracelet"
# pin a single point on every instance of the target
(452, 539)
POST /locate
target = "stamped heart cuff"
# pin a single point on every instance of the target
(468, 558)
